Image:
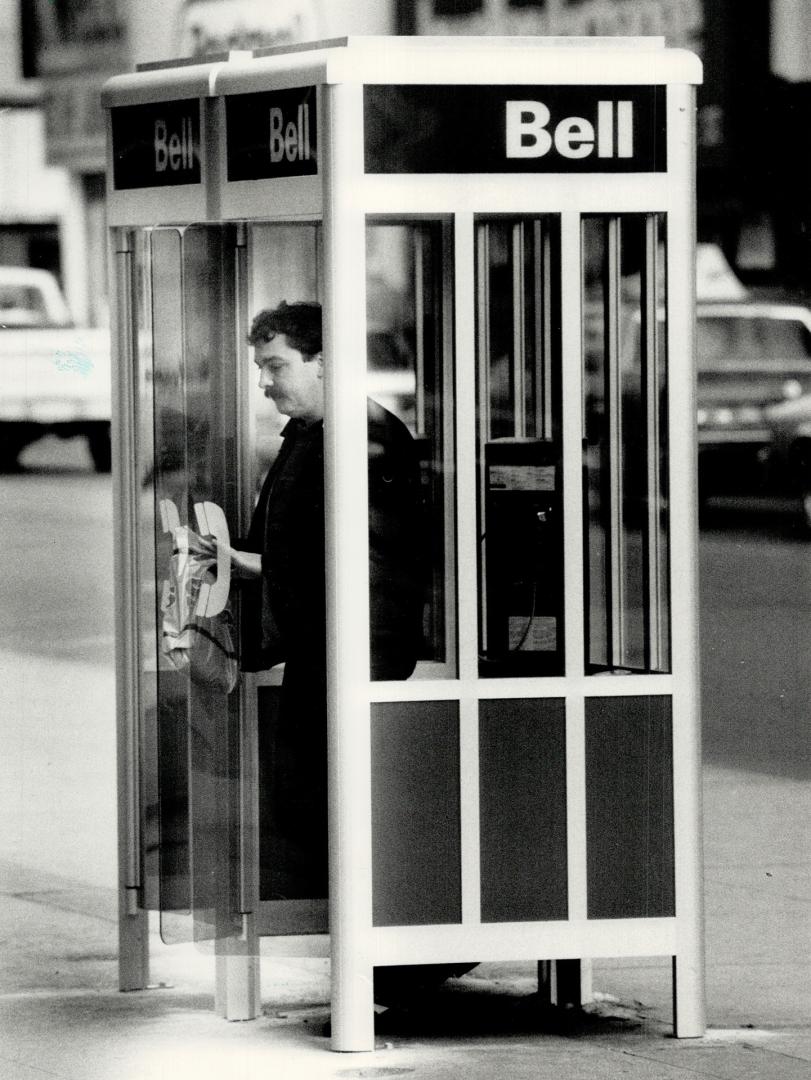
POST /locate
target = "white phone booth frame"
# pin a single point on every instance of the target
(344, 195)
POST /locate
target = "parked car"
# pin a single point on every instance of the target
(750, 357)
(54, 376)
(790, 427)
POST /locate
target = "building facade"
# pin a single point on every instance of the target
(754, 171)
(33, 197)
(754, 179)
(71, 47)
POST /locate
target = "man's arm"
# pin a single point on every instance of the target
(244, 564)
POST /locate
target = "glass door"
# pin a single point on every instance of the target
(283, 267)
(189, 481)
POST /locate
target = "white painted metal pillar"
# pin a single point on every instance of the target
(688, 967)
(133, 923)
(347, 546)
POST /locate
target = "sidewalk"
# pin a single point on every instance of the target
(61, 1016)
(84, 1036)
(481, 1027)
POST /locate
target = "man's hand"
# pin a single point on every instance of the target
(244, 564)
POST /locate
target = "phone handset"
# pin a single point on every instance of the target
(170, 519)
(211, 522)
(212, 597)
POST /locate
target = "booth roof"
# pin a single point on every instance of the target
(404, 60)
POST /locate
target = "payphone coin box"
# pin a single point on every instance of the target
(480, 221)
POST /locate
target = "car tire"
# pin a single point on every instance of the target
(13, 440)
(805, 512)
(98, 441)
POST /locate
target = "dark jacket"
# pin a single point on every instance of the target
(284, 617)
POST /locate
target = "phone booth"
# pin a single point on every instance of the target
(501, 235)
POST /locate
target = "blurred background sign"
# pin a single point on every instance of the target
(753, 166)
(680, 21)
(214, 26)
(791, 39)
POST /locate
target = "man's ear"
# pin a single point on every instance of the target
(319, 358)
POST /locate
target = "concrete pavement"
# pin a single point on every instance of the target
(62, 1017)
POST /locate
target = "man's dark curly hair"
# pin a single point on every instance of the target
(300, 322)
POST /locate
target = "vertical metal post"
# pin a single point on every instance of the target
(651, 383)
(482, 381)
(613, 286)
(420, 240)
(449, 446)
(570, 291)
(688, 971)
(248, 763)
(237, 967)
(470, 301)
(483, 327)
(133, 925)
(564, 983)
(519, 336)
(346, 499)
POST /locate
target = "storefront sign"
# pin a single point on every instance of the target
(156, 145)
(681, 22)
(503, 129)
(211, 26)
(272, 134)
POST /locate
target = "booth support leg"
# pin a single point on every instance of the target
(564, 982)
(133, 942)
(688, 997)
(237, 993)
(352, 1018)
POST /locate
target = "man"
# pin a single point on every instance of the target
(284, 602)
(283, 597)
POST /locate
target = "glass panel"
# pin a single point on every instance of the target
(151, 816)
(520, 453)
(416, 855)
(284, 263)
(522, 756)
(195, 748)
(171, 686)
(283, 615)
(625, 444)
(629, 808)
(411, 613)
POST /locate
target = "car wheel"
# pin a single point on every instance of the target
(805, 512)
(12, 444)
(98, 441)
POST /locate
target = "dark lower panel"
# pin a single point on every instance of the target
(522, 765)
(629, 807)
(416, 860)
(173, 810)
(292, 799)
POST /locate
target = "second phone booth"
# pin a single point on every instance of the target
(500, 233)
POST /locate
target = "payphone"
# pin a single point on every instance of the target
(480, 220)
(524, 544)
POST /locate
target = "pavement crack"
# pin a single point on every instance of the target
(782, 1053)
(18, 1063)
(50, 898)
(674, 1065)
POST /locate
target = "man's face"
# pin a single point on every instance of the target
(295, 384)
